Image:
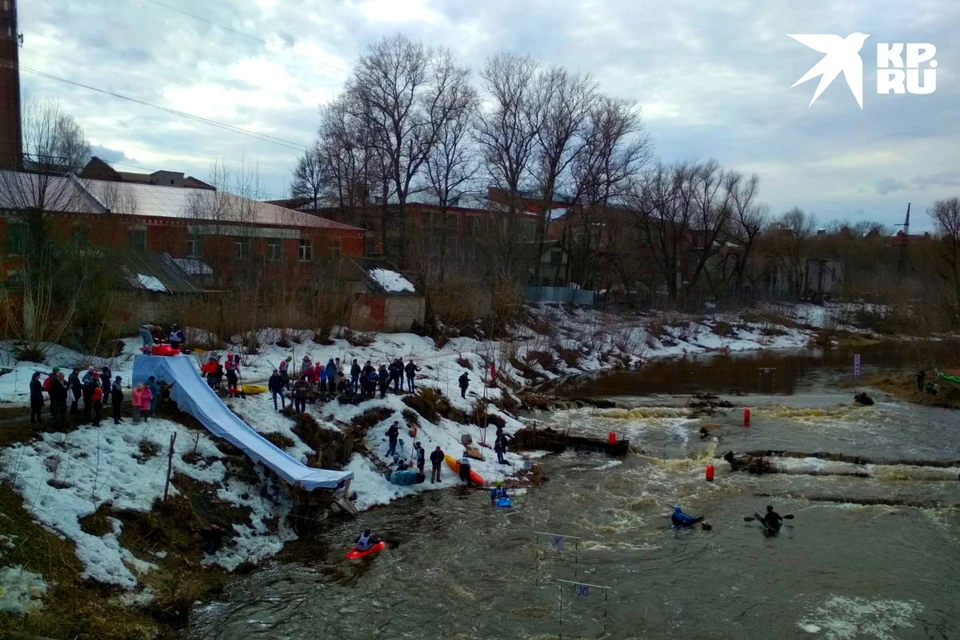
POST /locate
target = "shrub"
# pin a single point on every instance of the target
(723, 329)
(279, 440)
(432, 405)
(30, 352)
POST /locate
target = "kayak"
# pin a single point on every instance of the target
(377, 548)
(164, 350)
(693, 522)
(253, 389)
(454, 464)
(949, 378)
(504, 503)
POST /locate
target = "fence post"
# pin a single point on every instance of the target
(166, 488)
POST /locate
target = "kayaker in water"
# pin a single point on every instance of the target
(365, 541)
(498, 493)
(771, 520)
(680, 519)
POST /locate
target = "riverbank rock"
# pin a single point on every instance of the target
(473, 451)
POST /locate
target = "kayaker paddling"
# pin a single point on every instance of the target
(680, 519)
(498, 493)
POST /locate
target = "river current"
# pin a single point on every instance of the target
(872, 551)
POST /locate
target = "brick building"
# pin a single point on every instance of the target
(228, 237)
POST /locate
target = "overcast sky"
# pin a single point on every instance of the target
(714, 80)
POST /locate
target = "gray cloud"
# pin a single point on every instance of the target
(714, 81)
(108, 155)
(889, 185)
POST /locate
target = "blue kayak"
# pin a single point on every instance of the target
(504, 503)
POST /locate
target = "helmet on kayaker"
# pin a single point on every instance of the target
(677, 509)
(499, 483)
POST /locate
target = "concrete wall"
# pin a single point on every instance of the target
(387, 313)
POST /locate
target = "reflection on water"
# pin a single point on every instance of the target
(766, 372)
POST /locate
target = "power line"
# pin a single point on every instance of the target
(246, 35)
(263, 137)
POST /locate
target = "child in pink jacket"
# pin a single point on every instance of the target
(136, 400)
(146, 400)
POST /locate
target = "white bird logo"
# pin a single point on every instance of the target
(843, 54)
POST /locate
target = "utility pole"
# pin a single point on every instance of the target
(904, 256)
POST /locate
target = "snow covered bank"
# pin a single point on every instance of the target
(64, 478)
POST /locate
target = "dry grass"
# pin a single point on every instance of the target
(432, 405)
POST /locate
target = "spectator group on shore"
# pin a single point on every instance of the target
(324, 382)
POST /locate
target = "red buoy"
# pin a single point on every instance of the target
(612, 437)
(710, 473)
(746, 416)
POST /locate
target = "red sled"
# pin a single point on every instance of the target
(164, 350)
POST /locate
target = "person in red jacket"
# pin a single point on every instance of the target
(209, 371)
(97, 405)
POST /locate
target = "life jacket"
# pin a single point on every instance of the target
(97, 394)
(46, 384)
(363, 543)
(500, 492)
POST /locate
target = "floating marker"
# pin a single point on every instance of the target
(612, 437)
(710, 472)
(746, 416)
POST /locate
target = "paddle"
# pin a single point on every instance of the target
(750, 518)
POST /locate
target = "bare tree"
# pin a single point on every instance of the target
(451, 162)
(796, 228)
(398, 96)
(746, 224)
(946, 215)
(54, 150)
(506, 134)
(562, 104)
(310, 176)
(614, 153)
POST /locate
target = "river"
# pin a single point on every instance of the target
(865, 557)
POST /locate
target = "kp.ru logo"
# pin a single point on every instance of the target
(896, 72)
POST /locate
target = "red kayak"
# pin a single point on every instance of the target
(163, 350)
(377, 548)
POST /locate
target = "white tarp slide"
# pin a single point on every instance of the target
(193, 395)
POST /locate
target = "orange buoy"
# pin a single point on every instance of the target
(746, 416)
(710, 471)
(612, 437)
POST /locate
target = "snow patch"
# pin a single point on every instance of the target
(151, 283)
(21, 591)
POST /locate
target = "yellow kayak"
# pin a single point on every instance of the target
(454, 464)
(253, 389)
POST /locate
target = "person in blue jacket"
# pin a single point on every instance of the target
(331, 376)
(498, 493)
(680, 519)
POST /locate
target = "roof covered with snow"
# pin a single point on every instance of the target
(19, 190)
(391, 281)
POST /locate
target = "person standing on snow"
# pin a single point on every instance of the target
(464, 383)
(465, 469)
(436, 459)
(411, 370)
(355, 372)
(76, 389)
(500, 447)
(283, 368)
(116, 391)
(421, 456)
(90, 380)
(232, 379)
(36, 399)
(137, 399)
(154, 388)
(392, 434)
(275, 385)
(332, 376)
(321, 373)
(396, 374)
(105, 377)
(300, 388)
(58, 398)
(383, 379)
(97, 405)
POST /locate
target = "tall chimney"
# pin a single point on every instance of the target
(11, 135)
